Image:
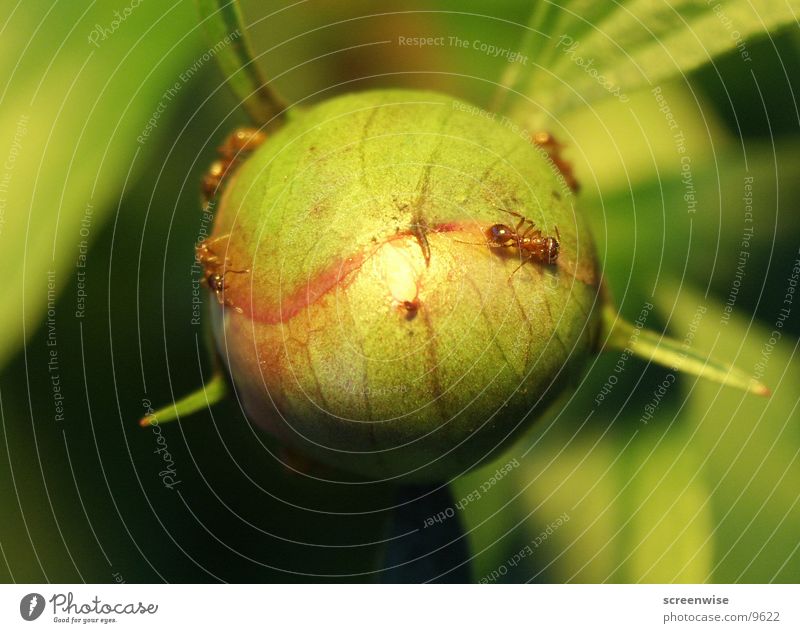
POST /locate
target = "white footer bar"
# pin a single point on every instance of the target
(401, 608)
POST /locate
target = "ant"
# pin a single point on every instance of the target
(531, 243)
(552, 148)
(236, 147)
(215, 269)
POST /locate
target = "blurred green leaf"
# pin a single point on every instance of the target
(750, 446)
(613, 146)
(646, 231)
(591, 54)
(318, 48)
(631, 504)
(81, 83)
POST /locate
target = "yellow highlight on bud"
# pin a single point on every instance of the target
(400, 263)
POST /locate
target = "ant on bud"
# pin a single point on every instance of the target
(236, 147)
(215, 270)
(530, 241)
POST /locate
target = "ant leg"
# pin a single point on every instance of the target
(229, 304)
(531, 227)
(206, 243)
(524, 261)
(206, 257)
(219, 287)
(486, 243)
(522, 221)
(514, 213)
(209, 255)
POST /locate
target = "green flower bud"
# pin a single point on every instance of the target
(370, 318)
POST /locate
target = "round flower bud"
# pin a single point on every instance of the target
(404, 284)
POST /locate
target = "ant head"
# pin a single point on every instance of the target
(500, 235)
(216, 281)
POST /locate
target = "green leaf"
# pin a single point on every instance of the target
(591, 54)
(614, 147)
(547, 19)
(83, 103)
(222, 21)
(351, 46)
(750, 446)
(597, 507)
(678, 356)
(671, 525)
(635, 254)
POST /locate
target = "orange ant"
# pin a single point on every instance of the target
(553, 149)
(236, 147)
(532, 244)
(215, 269)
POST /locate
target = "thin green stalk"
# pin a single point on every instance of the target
(222, 20)
(673, 354)
(210, 393)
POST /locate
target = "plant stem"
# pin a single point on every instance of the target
(673, 354)
(210, 393)
(222, 20)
